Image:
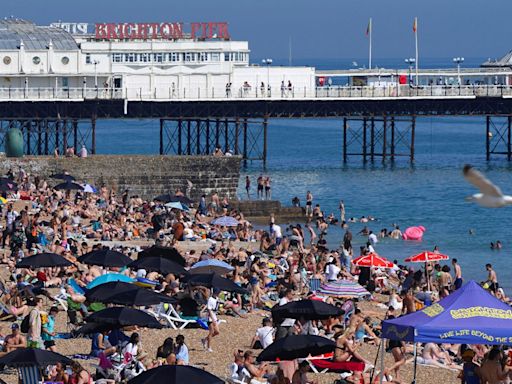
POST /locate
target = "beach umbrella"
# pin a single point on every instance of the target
(90, 189)
(168, 198)
(372, 260)
(225, 221)
(122, 293)
(63, 176)
(123, 317)
(211, 266)
(212, 280)
(68, 186)
(158, 264)
(296, 347)
(176, 374)
(169, 253)
(26, 357)
(344, 288)
(109, 277)
(176, 205)
(308, 309)
(105, 257)
(91, 328)
(426, 257)
(43, 260)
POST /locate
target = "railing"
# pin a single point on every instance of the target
(260, 93)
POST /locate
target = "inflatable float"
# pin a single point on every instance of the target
(413, 233)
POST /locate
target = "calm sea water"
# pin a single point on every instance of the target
(307, 155)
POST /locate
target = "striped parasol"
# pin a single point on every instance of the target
(344, 288)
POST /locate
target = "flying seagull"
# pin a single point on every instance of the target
(490, 195)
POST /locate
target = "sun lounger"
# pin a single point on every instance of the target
(324, 363)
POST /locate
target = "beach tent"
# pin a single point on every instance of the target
(470, 315)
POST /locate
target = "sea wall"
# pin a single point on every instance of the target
(146, 176)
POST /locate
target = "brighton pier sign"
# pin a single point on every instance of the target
(165, 31)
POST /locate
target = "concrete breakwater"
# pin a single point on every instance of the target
(146, 176)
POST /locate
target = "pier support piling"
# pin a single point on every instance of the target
(498, 136)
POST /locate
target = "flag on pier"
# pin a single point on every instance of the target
(369, 27)
(415, 25)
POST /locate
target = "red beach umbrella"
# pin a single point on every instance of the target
(372, 260)
(426, 257)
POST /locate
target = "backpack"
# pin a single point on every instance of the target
(25, 324)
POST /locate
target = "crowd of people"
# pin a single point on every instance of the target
(273, 265)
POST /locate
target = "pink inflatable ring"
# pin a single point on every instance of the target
(414, 233)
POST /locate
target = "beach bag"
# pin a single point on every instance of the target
(25, 324)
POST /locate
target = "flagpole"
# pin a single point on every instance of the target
(416, 40)
(370, 47)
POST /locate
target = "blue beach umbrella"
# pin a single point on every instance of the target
(176, 205)
(109, 277)
(211, 266)
(225, 221)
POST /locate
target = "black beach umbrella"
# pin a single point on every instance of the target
(91, 328)
(169, 253)
(43, 260)
(68, 186)
(212, 280)
(121, 293)
(25, 357)
(63, 176)
(165, 198)
(296, 347)
(308, 309)
(158, 264)
(123, 317)
(106, 258)
(176, 374)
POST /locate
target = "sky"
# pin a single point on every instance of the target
(318, 29)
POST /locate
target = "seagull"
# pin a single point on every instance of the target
(490, 195)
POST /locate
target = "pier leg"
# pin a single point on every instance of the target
(217, 133)
(344, 139)
(488, 138)
(57, 137)
(384, 138)
(413, 133)
(237, 132)
(365, 125)
(509, 148)
(207, 147)
(245, 142)
(265, 126)
(28, 126)
(93, 139)
(161, 136)
(189, 148)
(180, 132)
(75, 135)
(64, 137)
(198, 137)
(46, 137)
(39, 137)
(392, 138)
(226, 135)
(372, 139)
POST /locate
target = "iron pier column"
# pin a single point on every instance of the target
(237, 132)
(46, 137)
(488, 138)
(161, 136)
(75, 135)
(217, 133)
(265, 126)
(57, 137)
(180, 144)
(364, 138)
(384, 138)
(226, 135)
(189, 149)
(39, 137)
(372, 138)
(413, 131)
(28, 125)
(245, 141)
(207, 147)
(344, 139)
(509, 148)
(93, 124)
(65, 137)
(198, 137)
(392, 138)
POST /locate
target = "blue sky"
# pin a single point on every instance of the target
(326, 29)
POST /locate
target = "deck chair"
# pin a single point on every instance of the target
(173, 319)
(62, 299)
(314, 284)
(237, 377)
(30, 375)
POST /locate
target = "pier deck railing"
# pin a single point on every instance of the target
(251, 93)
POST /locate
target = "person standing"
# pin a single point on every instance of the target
(34, 330)
(268, 194)
(309, 204)
(457, 278)
(248, 187)
(342, 211)
(213, 326)
(286, 326)
(261, 182)
(49, 330)
(492, 279)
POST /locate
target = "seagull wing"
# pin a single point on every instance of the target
(478, 179)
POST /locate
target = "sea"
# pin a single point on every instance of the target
(306, 154)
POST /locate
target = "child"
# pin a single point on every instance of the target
(468, 374)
